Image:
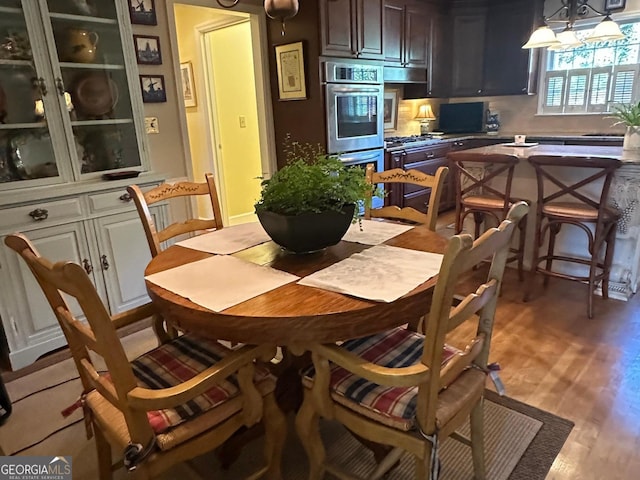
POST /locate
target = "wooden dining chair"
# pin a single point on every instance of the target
(412, 177)
(176, 402)
(167, 191)
(411, 390)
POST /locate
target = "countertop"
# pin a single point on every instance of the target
(504, 138)
(559, 151)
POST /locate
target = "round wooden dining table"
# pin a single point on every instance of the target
(294, 314)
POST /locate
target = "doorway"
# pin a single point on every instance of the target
(229, 121)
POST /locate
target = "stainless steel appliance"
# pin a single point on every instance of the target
(361, 159)
(354, 96)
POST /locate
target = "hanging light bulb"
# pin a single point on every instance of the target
(281, 10)
(606, 30)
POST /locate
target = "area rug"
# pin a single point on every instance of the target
(521, 441)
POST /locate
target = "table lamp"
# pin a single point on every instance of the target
(425, 115)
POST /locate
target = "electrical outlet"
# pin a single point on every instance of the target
(243, 121)
(151, 125)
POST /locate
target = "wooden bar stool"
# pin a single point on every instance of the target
(475, 195)
(562, 201)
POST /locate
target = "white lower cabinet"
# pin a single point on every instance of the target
(112, 248)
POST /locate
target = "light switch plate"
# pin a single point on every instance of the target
(151, 125)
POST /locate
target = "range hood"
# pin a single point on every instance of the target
(404, 75)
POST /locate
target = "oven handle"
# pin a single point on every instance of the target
(359, 158)
(356, 90)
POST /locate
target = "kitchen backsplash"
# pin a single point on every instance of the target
(517, 115)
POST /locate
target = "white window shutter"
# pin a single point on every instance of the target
(625, 84)
(576, 90)
(554, 92)
(599, 89)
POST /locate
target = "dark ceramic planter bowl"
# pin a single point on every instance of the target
(308, 232)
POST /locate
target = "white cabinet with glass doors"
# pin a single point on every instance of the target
(67, 71)
(70, 112)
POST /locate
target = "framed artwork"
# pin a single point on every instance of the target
(143, 12)
(391, 109)
(614, 5)
(153, 90)
(147, 49)
(188, 88)
(291, 80)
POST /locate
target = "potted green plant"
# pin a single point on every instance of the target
(309, 204)
(629, 115)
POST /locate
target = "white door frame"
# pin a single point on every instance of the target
(257, 18)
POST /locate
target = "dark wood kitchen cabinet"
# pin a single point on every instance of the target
(426, 159)
(352, 28)
(487, 36)
(406, 33)
(509, 24)
(468, 43)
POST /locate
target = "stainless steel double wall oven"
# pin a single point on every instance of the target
(354, 98)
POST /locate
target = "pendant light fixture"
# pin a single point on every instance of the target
(277, 9)
(569, 12)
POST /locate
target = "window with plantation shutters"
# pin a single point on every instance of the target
(593, 77)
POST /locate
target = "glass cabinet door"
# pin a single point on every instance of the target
(27, 151)
(92, 83)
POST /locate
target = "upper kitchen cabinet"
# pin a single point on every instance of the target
(66, 113)
(352, 28)
(509, 24)
(406, 33)
(486, 37)
(469, 28)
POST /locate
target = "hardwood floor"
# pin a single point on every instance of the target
(555, 358)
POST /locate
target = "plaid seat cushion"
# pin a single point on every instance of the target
(393, 349)
(178, 361)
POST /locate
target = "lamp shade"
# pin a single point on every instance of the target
(425, 113)
(605, 31)
(281, 9)
(567, 39)
(542, 37)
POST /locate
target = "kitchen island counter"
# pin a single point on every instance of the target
(624, 196)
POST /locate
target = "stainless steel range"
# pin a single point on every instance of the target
(411, 141)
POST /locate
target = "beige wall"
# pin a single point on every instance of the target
(167, 147)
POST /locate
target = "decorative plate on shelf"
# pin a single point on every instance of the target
(94, 94)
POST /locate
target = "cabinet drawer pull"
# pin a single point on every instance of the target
(104, 262)
(125, 197)
(87, 266)
(39, 214)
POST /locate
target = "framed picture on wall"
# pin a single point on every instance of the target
(188, 88)
(153, 89)
(614, 5)
(147, 49)
(391, 109)
(291, 80)
(143, 12)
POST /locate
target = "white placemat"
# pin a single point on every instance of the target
(372, 232)
(228, 240)
(382, 273)
(220, 282)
